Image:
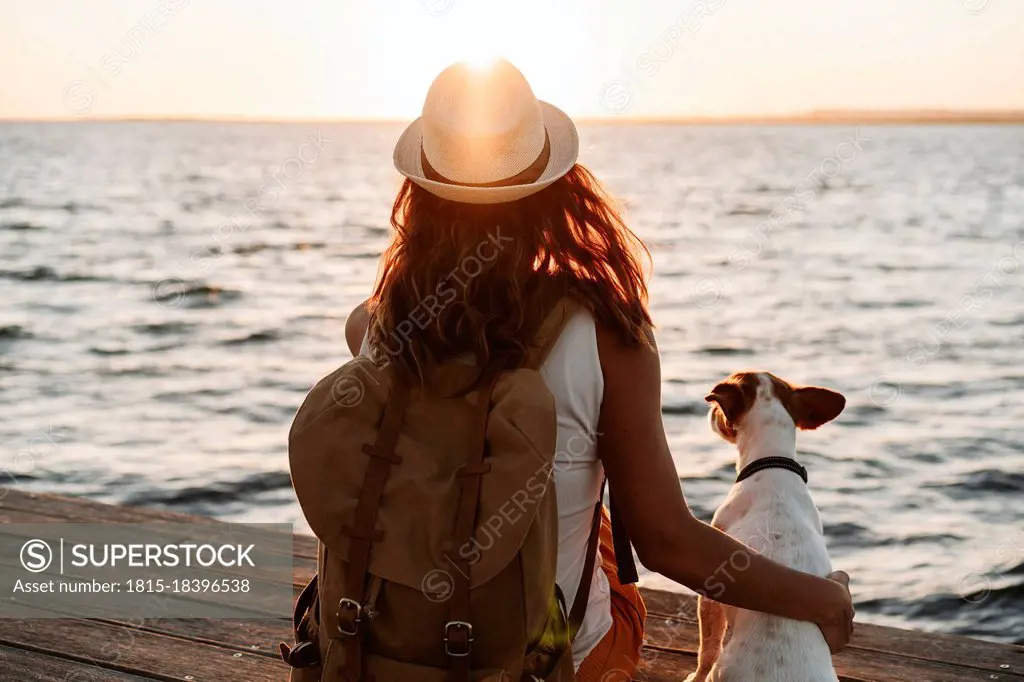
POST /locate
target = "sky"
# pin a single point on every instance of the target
(593, 58)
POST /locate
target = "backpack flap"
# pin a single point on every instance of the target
(416, 515)
(327, 464)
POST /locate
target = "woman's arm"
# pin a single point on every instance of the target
(667, 537)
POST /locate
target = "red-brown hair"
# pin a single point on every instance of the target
(480, 278)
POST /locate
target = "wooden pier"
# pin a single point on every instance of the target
(100, 650)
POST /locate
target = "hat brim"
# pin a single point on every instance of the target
(565, 148)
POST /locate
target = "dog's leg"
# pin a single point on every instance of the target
(711, 616)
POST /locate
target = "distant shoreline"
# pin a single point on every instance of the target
(830, 117)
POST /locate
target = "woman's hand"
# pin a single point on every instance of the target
(838, 633)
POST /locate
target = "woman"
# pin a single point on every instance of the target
(496, 213)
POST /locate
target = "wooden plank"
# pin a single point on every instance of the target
(125, 649)
(671, 650)
(304, 566)
(660, 662)
(877, 654)
(258, 637)
(44, 508)
(19, 665)
(263, 581)
(853, 663)
(173, 534)
(661, 667)
(671, 607)
(658, 665)
(61, 507)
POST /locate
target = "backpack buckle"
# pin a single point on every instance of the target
(350, 613)
(458, 638)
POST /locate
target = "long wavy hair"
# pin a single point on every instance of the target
(480, 279)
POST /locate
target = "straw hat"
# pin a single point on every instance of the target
(484, 138)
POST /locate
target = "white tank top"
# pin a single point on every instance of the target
(573, 374)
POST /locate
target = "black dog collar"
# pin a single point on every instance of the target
(772, 463)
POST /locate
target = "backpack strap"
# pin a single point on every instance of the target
(623, 558)
(623, 547)
(579, 603)
(305, 653)
(550, 329)
(458, 631)
(362, 532)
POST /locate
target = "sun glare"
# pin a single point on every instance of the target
(481, 62)
(408, 49)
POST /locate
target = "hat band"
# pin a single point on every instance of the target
(525, 177)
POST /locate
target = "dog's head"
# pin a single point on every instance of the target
(738, 398)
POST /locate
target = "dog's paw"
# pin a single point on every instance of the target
(692, 677)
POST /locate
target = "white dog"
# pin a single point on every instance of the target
(770, 510)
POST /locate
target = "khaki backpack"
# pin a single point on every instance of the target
(436, 516)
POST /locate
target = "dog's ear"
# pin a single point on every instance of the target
(812, 406)
(730, 399)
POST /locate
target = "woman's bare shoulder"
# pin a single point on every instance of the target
(355, 327)
(627, 362)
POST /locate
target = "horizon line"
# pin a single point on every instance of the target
(833, 116)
